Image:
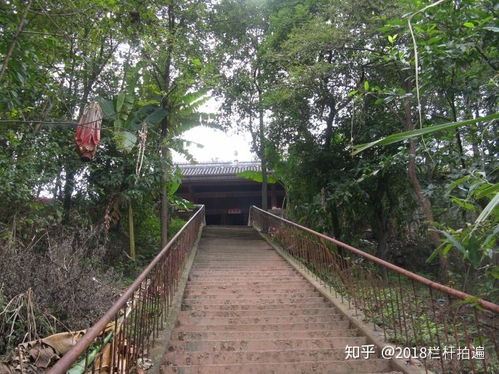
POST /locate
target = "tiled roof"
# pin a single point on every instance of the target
(220, 168)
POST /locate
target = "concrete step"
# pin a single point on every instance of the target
(251, 292)
(277, 282)
(251, 287)
(247, 264)
(305, 367)
(242, 274)
(280, 306)
(267, 295)
(184, 335)
(240, 269)
(280, 299)
(254, 256)
(289, 313)
(268, 289)
(186, 319)
(286, 356)
(217, 281)
(341, 324)
(262, 345)
(247, 258)
(237, 278)
(223, 277)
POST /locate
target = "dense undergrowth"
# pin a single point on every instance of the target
(56, 277)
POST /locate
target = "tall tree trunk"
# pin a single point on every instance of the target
(472, 130)
(263, 158)
(57, 187)
(69, 185)
(380, 218)
(424, 203)
(164, 196)
(459, 142)
(335, 221)
(131, 231)
(164, 151)
(329, 124)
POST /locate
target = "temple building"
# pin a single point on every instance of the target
(226, 196)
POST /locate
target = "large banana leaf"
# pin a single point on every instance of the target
(107, 108)
(194, 120)
(180, 146)
(125, 140)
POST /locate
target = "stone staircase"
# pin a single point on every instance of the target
(246, 310)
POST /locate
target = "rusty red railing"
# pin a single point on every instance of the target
(447, 330)
(123, 336)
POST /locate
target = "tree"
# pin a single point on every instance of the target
(175, 66)
(244, 78)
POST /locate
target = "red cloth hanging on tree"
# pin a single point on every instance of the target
(87, 135)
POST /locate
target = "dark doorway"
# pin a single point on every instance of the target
(235, 219)
(213, 219)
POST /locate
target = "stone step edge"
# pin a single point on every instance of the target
(183, 336)
(332, 362)
(329, 310)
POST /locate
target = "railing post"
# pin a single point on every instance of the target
(249, 215)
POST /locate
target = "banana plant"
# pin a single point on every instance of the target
(185, 114)
(128, 117)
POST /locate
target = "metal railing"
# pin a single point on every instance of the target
(447, 330)
(123, 336)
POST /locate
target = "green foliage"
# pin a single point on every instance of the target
(475, 242)
(256, 176)
(178, 202)
(175, 225)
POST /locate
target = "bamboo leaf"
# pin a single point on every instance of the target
(463, 203)
(487, 190)
(401, 136)
(452, 240)
(486, 211)
(457, 183)
(492, 237)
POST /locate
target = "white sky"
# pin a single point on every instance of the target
(217, 145)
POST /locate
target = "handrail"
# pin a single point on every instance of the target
(418, 278)
(143, 287)
(459, 330)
